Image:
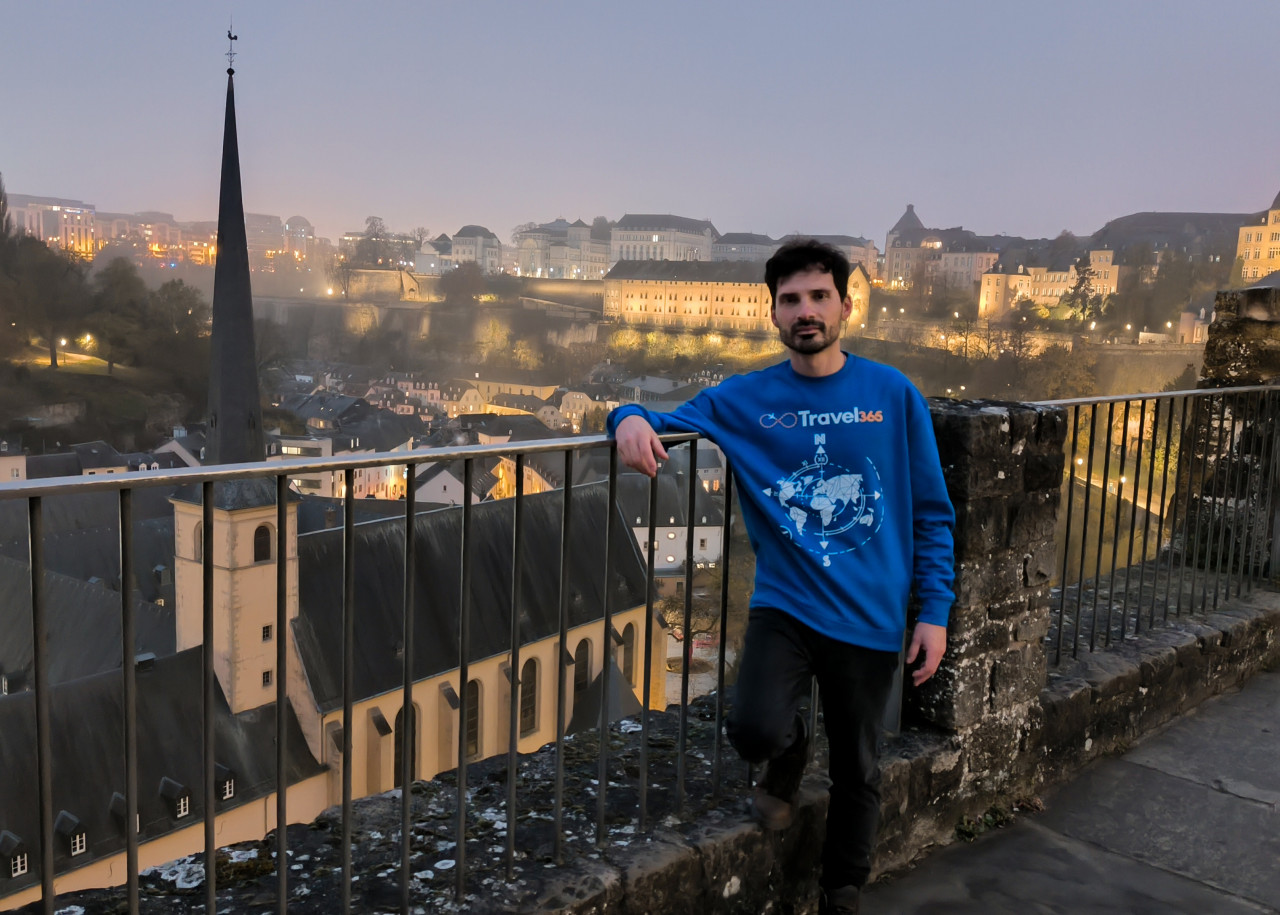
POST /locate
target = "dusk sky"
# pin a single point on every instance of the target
(1017, 117)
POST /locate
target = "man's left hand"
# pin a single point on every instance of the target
(933, 641)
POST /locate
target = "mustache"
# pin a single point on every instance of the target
(809, 322)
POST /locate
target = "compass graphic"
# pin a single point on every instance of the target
(830, 509)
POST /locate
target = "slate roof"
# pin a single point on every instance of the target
(334, 408)
(46, 466)
(379, 584)
(673, 500)
(527, 402)
(689, 271)
(88, 756)
(94, 455)
(83, 621)
(837, 240)
(745, 238)
(907, 221)
(474, 232)
(663, 222)
(515, 428)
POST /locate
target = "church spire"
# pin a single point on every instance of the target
(235, 412)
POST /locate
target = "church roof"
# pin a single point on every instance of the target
(689, 271)
(83, 621)
(89, 757)
(379, 584)
(907, 221)
(665, 222)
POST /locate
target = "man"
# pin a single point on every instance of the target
(843, 497)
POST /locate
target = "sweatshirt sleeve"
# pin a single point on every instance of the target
(933, 518)
(696, 415)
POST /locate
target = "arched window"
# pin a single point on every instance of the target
(198, 552)
(629, 653)
(473, 719)
(581, 669)
(262, 543)
(528, 697)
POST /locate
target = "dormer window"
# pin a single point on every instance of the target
(225, 780)
(177, 797)
(13, 851)
(72, 833)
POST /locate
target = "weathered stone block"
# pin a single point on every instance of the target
(1038, 565)
(1017, 676)
(981, 641)
(956, 696)
(990, 578)
(1005, 609)
(1032, 626)
(981, 525)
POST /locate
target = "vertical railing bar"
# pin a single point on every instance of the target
(348, 671)
(518, 685)
(1267, 467)
(1226, 442)
(207, 702)
(1066, 545)
(1226, 478)
(128, 660)
(1133, 524)
(1115, 529)
(1242, 468)
(1189, 433)
(1084, 529)
(562, 661)
(1102, 526)
(1173, 518)
(686, 644)
(1245, 520)
(1273, 440)
(1200, 502)
(651, 551)
(464, 676)
(44, 723)
(1146, 519)
(408, 735)
(282, 693)
(725, 536)
(607, 649)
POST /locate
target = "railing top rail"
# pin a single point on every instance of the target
(1158, 395)
(274, 468)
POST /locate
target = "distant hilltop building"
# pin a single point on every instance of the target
(650, 237)
(722, 295)
(1258, 248)
(913, 254)
(59, 223)
(744, 246)
(562, 250)
(477, 245)
(1008, 283)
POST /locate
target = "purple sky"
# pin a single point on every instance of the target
(1019, 117)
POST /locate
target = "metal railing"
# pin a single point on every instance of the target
(207, 481)
(1167, 509)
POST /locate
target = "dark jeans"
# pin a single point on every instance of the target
(780, 656)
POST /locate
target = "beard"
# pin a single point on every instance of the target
(808, 344)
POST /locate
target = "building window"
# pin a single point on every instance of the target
(182, 807)
(266, 633)
(528, 697)
(266, 677)
(18, 865)
(262, 543)
(79, 844)
(228, 789)
(702, 543)
(473, 719)
(198, 552)
(581, 669)
(629, 653)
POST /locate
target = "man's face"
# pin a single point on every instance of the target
(808, 311)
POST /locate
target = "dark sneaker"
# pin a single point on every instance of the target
(842, 901)
(774, 803)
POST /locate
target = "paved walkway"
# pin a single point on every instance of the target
(1188, 821)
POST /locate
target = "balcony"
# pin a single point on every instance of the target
(1085, 529)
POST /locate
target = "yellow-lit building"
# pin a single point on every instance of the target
(1004, 285)
(66, 224)
(1258, 248)
(725, 296)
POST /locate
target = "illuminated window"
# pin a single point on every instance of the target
(182, 807)
(18, 865)
(79, 844)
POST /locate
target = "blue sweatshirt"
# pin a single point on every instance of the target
(841, 491)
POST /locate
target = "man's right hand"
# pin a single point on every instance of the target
(638, 445)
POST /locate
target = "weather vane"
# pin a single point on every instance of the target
(231, 49)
